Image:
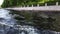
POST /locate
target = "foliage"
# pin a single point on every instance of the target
(11, 3)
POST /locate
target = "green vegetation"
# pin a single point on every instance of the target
(12, 3)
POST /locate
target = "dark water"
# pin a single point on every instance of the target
(8, 25)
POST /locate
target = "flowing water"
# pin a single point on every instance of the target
(7, 25)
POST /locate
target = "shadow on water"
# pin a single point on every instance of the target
(14, 22)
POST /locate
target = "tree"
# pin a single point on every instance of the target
(11, 3)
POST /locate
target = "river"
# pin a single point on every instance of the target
(8, 25)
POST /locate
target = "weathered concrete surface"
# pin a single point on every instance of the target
(41, 8)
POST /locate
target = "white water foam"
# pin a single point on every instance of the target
(6, 18)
